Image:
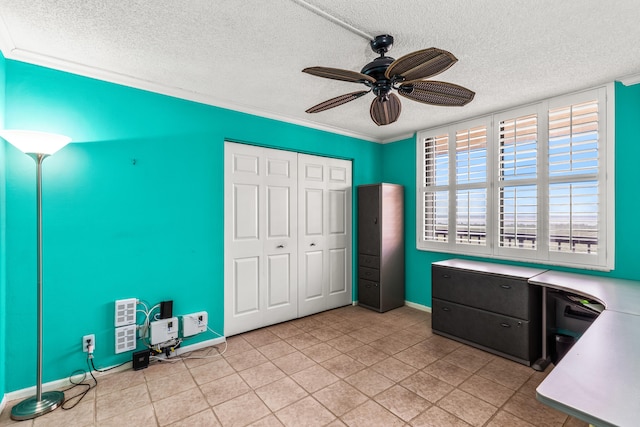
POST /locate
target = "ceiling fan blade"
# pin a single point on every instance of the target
(421, 64)
(338, 100)
(436, 93)
(339, 74)
(385, 110)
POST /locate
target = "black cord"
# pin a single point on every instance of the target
(108, 369)
(82, 394)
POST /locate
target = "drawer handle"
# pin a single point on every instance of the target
(280, 246)
(505, 325)
(446, 309)
(313, 244)
(505, 286)
(446, 276)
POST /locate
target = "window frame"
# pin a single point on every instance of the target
(605, 258)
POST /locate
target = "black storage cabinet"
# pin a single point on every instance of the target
(381, 246)
(489, 306)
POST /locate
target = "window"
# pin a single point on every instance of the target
(548, 199)
(455, 187)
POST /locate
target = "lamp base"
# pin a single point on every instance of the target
(32, 408)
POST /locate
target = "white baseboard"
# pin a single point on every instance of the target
(57, 384)
(3, 402)
(418, 306)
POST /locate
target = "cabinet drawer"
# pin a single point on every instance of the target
(369, 293)
(504, 334)
(505, 295)
(369, 261)
(372, 274)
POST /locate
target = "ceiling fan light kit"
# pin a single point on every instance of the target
(407, 75)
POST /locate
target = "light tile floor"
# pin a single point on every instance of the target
(348, 366)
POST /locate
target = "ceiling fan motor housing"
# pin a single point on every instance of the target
(376, 69)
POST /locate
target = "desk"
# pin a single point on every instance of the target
(598, 380)
(616, 294)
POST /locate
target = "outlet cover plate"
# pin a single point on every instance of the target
(85, 347)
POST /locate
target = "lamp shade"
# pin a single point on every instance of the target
(34, 142)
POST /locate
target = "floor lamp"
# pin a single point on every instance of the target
(37, 145)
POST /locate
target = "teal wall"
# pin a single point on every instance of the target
(133, 208)
(3, 230)
(400, 167)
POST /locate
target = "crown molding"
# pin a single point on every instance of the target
(23, 55)
(630, 79)
(398, 138)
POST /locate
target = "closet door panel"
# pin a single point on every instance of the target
(338, 279)
(279, 282)
(260, 237)
(313, 280)
(313, 212)
(246, 282)
(325, 219)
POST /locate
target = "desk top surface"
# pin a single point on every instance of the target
(598, 380)
(616, 294)
(491, 268)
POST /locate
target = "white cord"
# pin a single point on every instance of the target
(207, 356)
(143, 304)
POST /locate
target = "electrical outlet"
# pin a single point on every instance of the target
(86, 340)
(194, 323)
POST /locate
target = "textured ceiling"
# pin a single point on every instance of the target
(247, 55)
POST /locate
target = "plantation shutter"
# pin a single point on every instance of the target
(436, 194)
(517, 186)
(471, 186)
(574, 199)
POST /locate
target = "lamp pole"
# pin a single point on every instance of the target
(39, 158)
(37, 145)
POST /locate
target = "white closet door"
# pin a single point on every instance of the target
(260, 237)
(324, 242)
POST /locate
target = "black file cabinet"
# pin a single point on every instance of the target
(381, 246)
(489, 306)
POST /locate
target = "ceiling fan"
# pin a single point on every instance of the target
(406, 75)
